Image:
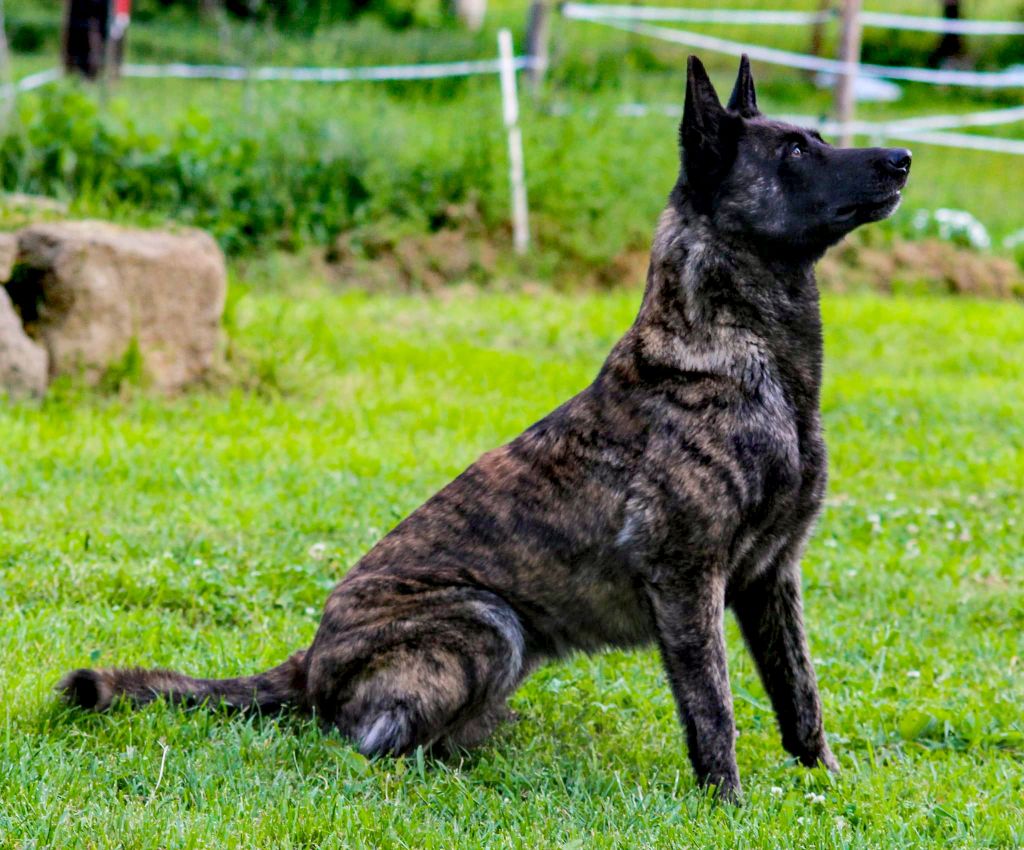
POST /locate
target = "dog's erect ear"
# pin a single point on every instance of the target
(702, 112)
(744, 98)
(707, 134)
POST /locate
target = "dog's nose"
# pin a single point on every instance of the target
(897, 160)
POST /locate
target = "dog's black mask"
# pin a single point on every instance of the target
(777, 184)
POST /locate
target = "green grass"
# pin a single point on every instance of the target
(135, 529)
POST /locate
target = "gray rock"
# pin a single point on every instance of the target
(93, 288)
(8, 254)
(23, 363)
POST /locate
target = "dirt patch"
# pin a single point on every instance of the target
(382, 258)
(463, 252)
(626, 268)
(925, 266)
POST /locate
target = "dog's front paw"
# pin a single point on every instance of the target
(725, 788)
(828, 760)
(820, 755)
(730, 793)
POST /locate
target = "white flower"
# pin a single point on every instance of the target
(840, 822)
(317, 551)
(952, 224)
(776, 791)
(815, 799)
(913, 674)
(1014, 239)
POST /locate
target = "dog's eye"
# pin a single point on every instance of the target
(796, 150)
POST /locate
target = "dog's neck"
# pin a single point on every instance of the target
(712, 301)
(703, 277)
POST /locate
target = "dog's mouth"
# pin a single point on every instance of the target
(870, 210)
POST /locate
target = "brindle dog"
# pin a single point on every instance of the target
(684, 480)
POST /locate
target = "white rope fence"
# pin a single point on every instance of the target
(803, 61)
(932, 129)
(32, 81)
(240, 73)
(769, 18)
(927, 130)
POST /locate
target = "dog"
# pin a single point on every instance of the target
(683, 481)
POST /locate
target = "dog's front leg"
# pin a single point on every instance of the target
(688, 616)
(770, 615)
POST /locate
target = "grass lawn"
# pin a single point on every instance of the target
(204, 532)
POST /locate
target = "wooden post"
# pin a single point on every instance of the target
(85, 35)
(849, 55)
(951, 45)
(818, 27)
(107, 72)
(516, 170)
(471, 13)
(538, 36)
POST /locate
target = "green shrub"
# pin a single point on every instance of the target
(304, 14)
(283, 184)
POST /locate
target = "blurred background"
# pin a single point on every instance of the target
(422, 235)
(405, 183)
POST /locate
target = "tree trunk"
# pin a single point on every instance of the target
(951, 45)
(85, 36)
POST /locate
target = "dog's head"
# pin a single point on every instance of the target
(776, 183)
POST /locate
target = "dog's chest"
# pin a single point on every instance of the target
(782, 452)
(737, 481)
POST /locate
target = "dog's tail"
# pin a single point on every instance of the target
(267, 692)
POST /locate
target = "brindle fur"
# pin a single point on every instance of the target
(684, 480)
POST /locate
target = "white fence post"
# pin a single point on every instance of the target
(510, 104)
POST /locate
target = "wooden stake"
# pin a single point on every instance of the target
(538, 36)
(510, 104)
(818, 28)
(849, 55)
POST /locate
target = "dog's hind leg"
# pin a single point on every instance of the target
(476, 730)
(437, 678)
